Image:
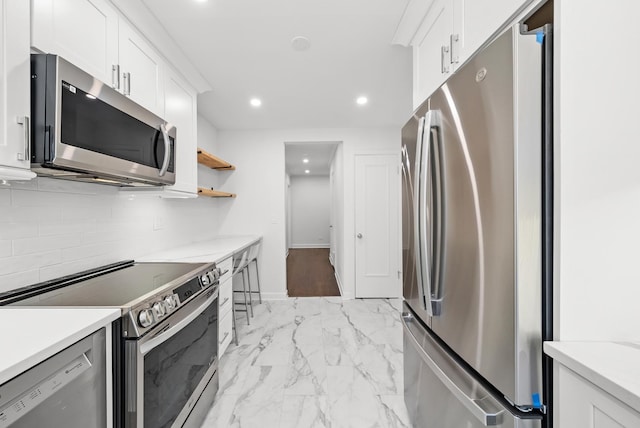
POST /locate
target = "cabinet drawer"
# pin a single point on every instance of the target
(225, 333)
(225, 298)
(225, 266)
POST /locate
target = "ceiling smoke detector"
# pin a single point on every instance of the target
(300, 43)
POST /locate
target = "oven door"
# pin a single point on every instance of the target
(167, 370)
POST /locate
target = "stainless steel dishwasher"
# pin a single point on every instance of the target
(66, 390)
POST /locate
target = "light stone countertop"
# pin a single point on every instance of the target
(213, 250)
(31, 335)
(612, 366)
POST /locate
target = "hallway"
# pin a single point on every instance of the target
(309, 273)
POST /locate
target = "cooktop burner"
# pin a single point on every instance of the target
(117, 289)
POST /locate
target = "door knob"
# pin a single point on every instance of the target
(359, 235)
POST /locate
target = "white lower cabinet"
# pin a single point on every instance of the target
(582, 404)
(225, 302)
(225, 333)
(15, 84)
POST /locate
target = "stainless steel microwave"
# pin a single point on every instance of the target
(84, 130)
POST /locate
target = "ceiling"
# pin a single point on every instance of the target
(319, 156)
(243, 48)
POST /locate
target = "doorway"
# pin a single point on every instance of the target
(310, 215)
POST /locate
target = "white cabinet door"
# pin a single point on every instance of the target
(579, 403)
(141, 70)
(84, 32)
(14, 90)
(180, 111)
(475, 21)
(431, 56)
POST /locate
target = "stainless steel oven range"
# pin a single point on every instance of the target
(166, 341)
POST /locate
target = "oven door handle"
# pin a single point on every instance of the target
(167, 334)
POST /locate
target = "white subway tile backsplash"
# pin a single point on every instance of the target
(45, 243)
(6, 248)
(17, 230)
(11, 265)
(5, 199)
(19, 214)
(51, 228)
(89, 251)
(17, 280)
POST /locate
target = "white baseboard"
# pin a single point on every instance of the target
(331, 259)
(310, 246)
(275, 296)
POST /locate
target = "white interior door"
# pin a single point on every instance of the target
(377, 226)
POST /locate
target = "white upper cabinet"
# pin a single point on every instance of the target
(474, 23)
(431, 51)
(445, 33)
(84, 32)
(91, 35)
(141, 70)
(180, 104)
(14, 91)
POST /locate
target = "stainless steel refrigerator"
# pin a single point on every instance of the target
(476, 165)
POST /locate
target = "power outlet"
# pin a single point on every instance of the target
(158, 223)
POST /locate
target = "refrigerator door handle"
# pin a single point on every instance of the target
(418, 213)
(437, 212)
(487, 418)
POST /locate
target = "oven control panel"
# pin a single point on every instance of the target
(159, 308)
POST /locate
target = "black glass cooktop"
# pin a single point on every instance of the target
(119, 288)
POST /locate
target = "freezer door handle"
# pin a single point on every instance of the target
(493, 417)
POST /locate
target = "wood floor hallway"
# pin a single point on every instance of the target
(309, 273)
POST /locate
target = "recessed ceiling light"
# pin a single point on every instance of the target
(256, 102)
(300, 43)
(306, 171)
(305, 160)
(362, 101)
(201, 1)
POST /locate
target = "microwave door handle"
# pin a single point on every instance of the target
(168, 334)
(167, 150)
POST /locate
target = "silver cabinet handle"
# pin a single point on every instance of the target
(359, 235)
(223, 339)
(126, 81)
(454, 42)
(167, 150)
(26, 154)
(491, 418)
(224, 302)
(444, 63)
(115, 76)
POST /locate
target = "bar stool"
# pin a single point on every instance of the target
(253, 257)
(239, 266)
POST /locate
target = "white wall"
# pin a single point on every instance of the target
(310, 209)
(597, 279)
(50, 228)
(260, 205)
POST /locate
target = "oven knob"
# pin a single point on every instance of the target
(205, 280)
(145, 318)
(176, 300)
(158, 309)
(169, 303)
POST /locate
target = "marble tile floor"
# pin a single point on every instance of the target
(314, 362)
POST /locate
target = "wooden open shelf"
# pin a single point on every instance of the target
(206, 158)
(214, 193)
